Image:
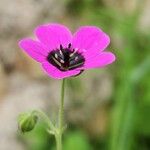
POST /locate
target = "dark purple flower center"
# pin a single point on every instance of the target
(66, 58)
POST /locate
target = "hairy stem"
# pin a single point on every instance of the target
(59, 133)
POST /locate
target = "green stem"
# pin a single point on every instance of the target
(59, 133)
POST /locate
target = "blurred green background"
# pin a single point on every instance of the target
(106, 109)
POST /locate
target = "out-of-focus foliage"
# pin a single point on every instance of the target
(130, 121)
(76, 140)
(131, 99)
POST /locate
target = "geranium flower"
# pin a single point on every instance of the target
(62, 54)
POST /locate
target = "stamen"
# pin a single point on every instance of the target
(66, 58)
(69, 46)
(61, 47)
(76, 57)
(56, 56)
(56, 61)
(72, 54)
(75, 65)
(60, 52)
(74, 51)
(62, 61)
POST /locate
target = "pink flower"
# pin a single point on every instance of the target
(62, 54)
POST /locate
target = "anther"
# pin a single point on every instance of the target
(62, 61)
(74, 51)
(56, 56)
(71, 54)
(60, 52)
(76, 57)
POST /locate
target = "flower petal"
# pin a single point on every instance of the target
(35, 49)
(53, 35)
(100, 60)
(56, 73)
(90, 40)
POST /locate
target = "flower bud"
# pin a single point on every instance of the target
(27, 122)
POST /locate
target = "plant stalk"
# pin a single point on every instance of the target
(60, 129)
